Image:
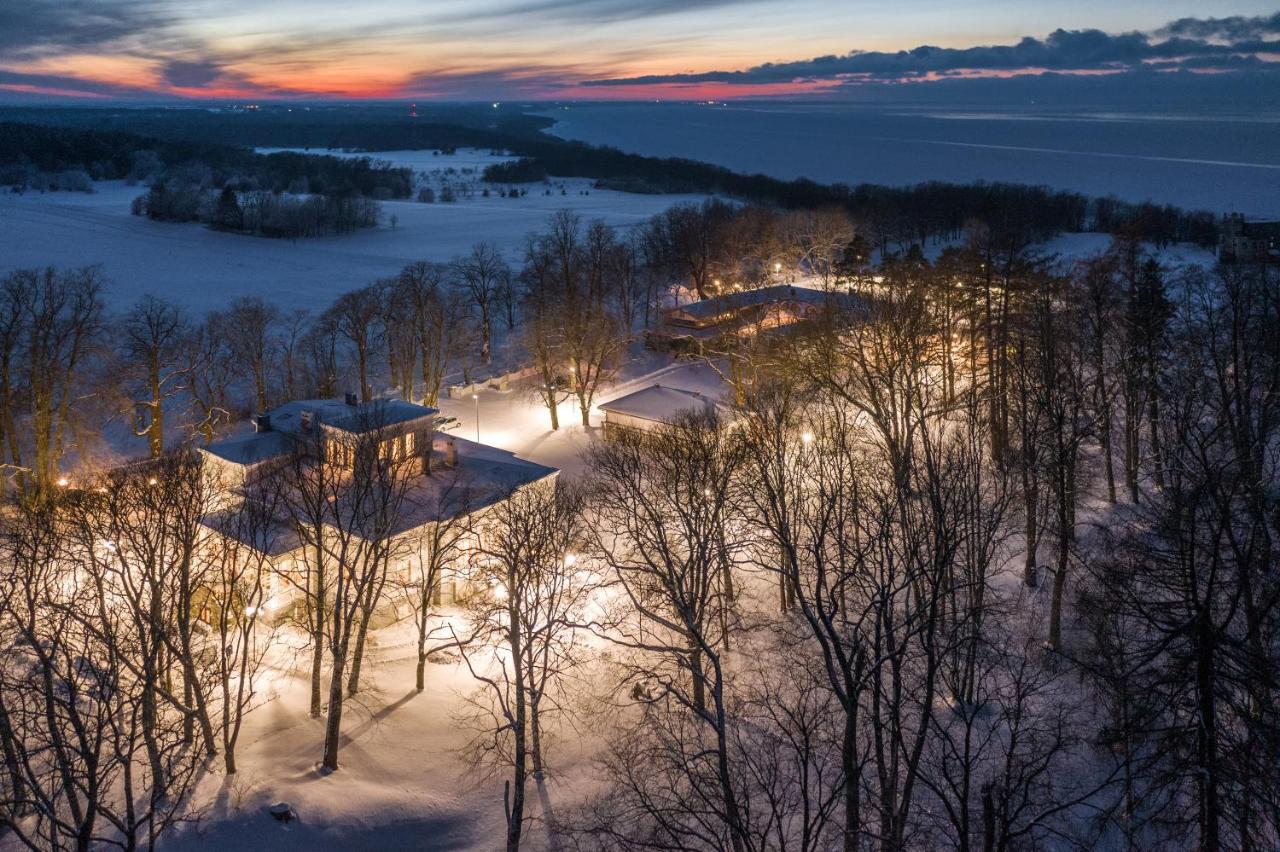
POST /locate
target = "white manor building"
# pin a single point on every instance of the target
(451, 481)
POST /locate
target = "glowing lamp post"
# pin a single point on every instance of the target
(476, 397)
(251, 612)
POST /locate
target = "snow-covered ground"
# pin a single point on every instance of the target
(204, 269)
(402, 784)
(1072, 247)
(514, 421)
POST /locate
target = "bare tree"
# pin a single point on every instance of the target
(1061, 394)
(355, 317)
(686, 237)
(439, 548)
(210, 370)
(293, 336)
(482, 273)
(51, 321)
(250, 327)
(103, 759)
(155, 335)
(438, 317)
(666, 503)
(233, 598)
(346, 490)
(535, 604)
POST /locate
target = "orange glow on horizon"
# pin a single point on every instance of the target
(532, 78)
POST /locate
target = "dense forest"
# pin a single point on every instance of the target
(114, 155)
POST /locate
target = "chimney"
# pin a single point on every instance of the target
(262, 423)
(305, 419)
(451, 453)
(352, 399)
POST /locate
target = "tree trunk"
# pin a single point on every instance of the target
(520, 758)
(1207, 734)
(1131, 446)
(1031, 507)
(699, 687)
(333, 724)
(1065, 534)
(849, 765)
(155, 429)
(535, 730)
(317, 663)
(362, 631)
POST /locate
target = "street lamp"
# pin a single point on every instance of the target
(807, 437)
(252, 613)
(476, 397)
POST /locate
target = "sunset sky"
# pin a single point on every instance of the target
(598, 49)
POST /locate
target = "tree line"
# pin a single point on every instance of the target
(28, 151)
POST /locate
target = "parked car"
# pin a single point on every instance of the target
(444, 424)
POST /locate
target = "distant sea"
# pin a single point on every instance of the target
(1204, 161)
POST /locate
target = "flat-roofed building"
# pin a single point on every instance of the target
(774, 310)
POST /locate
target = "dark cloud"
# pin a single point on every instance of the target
(1234, 28)
(191, 74)
(509, 83)
(1248, 91)
(30, 26)
(592, 11)
(72, 86)
(1061, 50)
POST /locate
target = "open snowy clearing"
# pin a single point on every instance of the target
(404, 782)
(203, 269)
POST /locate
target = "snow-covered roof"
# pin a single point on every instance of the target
(252, 448)
(285, 423)
(729, 303)
(663, 404)
(359, 418)
(481, 477)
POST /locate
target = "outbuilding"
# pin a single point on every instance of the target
(656, 406)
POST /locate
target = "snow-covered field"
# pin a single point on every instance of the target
(204, 269)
